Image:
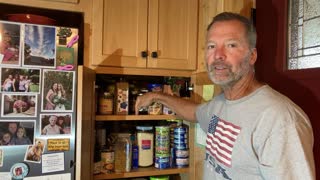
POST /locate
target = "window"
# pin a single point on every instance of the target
(303, 34)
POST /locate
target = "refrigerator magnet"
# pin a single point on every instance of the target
(19, 170)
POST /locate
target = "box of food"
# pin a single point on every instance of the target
(122, 98)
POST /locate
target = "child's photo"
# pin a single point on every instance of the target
(18, 105)
(13, 133)
(19, 80)
(57, 90)
(10, 43)
(39, 46)
(34, 152)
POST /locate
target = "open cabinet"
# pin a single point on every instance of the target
(127, 123)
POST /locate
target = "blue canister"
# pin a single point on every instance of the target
(162, 162)
(135, 156)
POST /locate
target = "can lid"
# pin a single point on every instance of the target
(144, 128)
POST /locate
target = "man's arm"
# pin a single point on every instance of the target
(184, 108)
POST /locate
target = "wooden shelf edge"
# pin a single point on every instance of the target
(141, 172)
(133, 117)
(141, 71)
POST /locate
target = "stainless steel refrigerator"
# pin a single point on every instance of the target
(41, 103)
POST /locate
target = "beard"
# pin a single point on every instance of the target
(229, 78)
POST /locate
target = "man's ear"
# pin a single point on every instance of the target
(253, 56)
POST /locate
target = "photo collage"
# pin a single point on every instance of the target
(37, 75)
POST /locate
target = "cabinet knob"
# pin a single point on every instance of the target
(154, 54)
(144, 54)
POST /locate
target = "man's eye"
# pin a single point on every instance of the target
(233, 45)
(210, 46)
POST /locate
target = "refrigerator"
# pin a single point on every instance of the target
(42, 84)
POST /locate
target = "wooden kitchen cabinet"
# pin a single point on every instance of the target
(207, 10)
(159, 34)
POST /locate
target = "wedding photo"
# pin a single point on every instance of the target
(57, 87)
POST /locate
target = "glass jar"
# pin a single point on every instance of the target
(106, 103)
(145, 143)
(122, 151)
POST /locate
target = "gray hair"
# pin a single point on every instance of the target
(251, 33)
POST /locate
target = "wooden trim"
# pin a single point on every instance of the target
(133, 117)
(150, 171)
(141, 71)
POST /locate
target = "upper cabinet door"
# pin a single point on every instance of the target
(119, 32)
(166, 30)
(172, 34)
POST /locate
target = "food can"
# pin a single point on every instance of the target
(182, 153)
(181, 146)
(180, 130)
(162, 140)
(162, 162)
(182, 162)
(107, 158)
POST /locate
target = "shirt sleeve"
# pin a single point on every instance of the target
(285, 147)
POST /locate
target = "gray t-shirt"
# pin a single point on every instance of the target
(261, 136)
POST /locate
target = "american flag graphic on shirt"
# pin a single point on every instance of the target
(221, 137)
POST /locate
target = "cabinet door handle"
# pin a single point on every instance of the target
(144, 54)
(154, 54)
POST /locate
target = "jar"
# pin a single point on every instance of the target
(122, 152)
(106, 103)
(145, 143)
(107, 158)
(143, 110)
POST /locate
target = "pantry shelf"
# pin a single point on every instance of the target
(133, 117)
(141, 172)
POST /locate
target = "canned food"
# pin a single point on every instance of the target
(162, 144)
(180, 130)
(180, 146)
(182, 162)
(107, 158)
(180, 140)
(182, 153)
(162, 162)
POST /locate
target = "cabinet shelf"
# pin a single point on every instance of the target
(141, 172)
(133, 117)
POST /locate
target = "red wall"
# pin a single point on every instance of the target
(302, 86)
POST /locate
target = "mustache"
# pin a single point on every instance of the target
(218, 63)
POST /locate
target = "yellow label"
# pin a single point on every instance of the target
(58, 144)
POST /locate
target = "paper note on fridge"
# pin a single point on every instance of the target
(52, 162)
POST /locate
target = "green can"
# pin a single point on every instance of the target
(159, 177)
(162, 140)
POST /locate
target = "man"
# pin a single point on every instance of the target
(52, 128)
(253, 132)
(12, 128)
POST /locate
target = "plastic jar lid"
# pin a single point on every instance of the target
(144, 128)
(159, 177)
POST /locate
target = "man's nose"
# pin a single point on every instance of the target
(220, 53)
